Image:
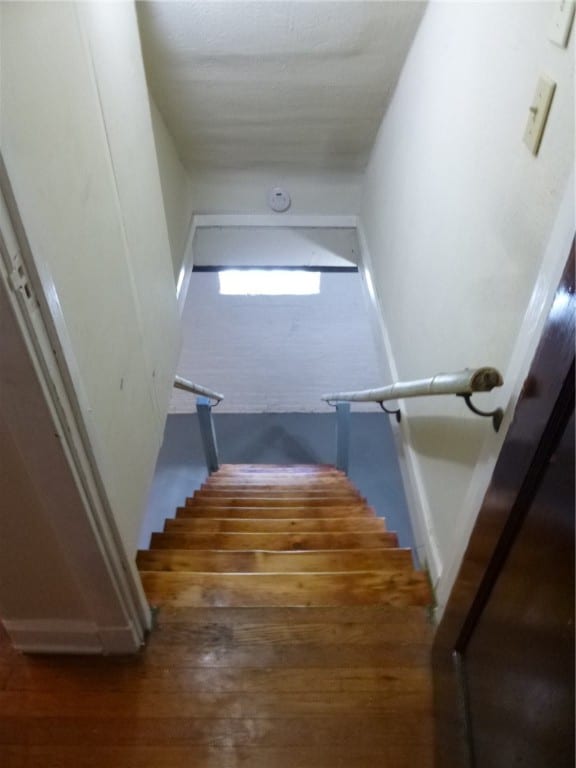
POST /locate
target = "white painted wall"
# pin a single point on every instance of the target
(276, 353)
(176, 190)
(457, 216)
(77, 140)
(245, 192)
(275, 246)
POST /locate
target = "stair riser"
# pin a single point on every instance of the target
(279, 489)
(257, 501)
(302, 589)
(288, 468)
(301, 498)
(273, 541)
(304, 480)
(287, 525)
(275, 513)
(210, 561)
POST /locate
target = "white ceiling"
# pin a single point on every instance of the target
(299, 85)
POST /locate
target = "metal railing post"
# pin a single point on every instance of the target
(342, 436)
(207, 433)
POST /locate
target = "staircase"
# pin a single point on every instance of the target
(264, 536)
(291, 627)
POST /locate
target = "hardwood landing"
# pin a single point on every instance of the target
(231, 688)
(263, 657)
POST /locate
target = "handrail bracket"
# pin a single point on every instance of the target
(496, 415)
(397, 412)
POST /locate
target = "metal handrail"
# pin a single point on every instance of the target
(196, 389)
(462, 383)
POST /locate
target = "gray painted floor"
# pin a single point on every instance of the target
(276, 438)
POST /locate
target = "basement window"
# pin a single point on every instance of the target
(269, 282)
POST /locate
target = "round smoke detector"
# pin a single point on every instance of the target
(279, 200)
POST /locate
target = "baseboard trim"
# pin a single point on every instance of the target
(67, 636)
(54, 636)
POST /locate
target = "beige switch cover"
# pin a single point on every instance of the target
(539, 113)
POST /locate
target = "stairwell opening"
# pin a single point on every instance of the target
(273, 356)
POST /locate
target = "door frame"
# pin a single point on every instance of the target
(112, 574)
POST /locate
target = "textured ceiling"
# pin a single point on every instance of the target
(265, 84)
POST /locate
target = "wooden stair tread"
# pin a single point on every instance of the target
(274, 490)
(273, 541)
(276, 513)
(275, 525)
(263, 501)
(282, 511)
(279, 489)
(276, 481)
(255, 561)
(245, 589)
(287, 468)
(304, 497)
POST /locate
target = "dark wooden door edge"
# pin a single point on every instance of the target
(540, 417)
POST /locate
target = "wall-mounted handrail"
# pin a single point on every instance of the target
(196, 389)
(462, 383)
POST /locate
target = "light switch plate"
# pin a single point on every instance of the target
(561, 22)
(539, 113)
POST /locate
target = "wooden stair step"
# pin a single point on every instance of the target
(284, 468)
(301, 498)
(305, 589)
(301, 479)
(304, 479)
(358, 510)
(196, 511)
(207, 636)
(277, 489)
(258, 501)
(267, 493)
(273, 541)
(311, 561)
(278, 525)
(289, 477)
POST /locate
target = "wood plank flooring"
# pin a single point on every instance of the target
(282, 641)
